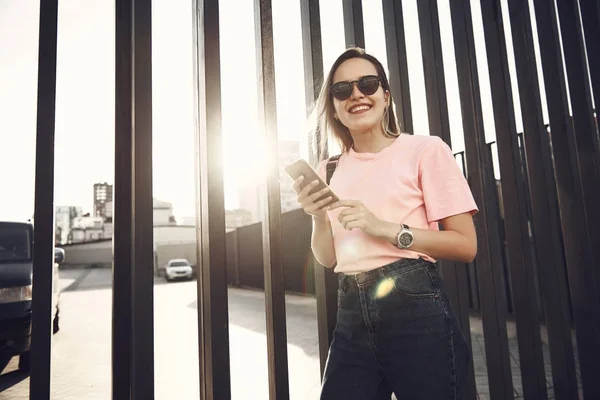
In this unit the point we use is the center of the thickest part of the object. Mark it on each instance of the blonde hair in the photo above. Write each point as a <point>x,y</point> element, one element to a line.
<point>324,113</point>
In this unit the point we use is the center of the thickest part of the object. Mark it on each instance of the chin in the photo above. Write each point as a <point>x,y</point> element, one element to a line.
<point>362,127</point>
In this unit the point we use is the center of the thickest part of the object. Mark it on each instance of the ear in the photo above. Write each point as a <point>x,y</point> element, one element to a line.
<point>335,116</point>
<point>387,97</point>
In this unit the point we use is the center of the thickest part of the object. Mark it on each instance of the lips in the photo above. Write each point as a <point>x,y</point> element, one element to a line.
<point>358,108</point>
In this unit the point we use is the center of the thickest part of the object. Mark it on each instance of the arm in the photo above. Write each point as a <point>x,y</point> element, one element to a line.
<point>458,240</point>
<point>321,242</point>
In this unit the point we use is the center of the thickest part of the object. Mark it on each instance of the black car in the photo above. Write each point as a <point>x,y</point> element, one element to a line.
<point>16,267</point>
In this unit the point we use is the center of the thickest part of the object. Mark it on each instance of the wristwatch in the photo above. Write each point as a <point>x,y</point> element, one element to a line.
<point>405,237</point>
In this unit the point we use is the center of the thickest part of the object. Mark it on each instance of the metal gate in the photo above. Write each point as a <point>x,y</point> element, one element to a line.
<point>550,189</point>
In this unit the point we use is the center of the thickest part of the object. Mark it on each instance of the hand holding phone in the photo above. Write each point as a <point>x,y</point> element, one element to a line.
<point>312,198</point>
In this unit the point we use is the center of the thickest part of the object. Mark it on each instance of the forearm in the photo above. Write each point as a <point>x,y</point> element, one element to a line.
<point>322,242</point>
<point>448,244</point>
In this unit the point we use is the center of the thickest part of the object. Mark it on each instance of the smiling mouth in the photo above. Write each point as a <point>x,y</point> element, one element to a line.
<point>359,109</point>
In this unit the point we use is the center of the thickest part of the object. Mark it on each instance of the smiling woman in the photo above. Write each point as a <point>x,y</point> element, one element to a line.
<point>383,239</point>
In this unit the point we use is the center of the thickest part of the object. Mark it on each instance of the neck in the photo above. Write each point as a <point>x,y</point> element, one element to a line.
<point>372,141</point>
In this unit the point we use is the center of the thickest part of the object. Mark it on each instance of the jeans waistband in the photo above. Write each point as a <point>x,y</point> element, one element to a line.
<point>376,274</point>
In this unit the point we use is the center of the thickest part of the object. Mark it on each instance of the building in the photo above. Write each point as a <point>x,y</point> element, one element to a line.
<point>103,193</point>
<point>163,213</point>
<point>108,219</point>
<point>87,229</point>
<point>63,220</point>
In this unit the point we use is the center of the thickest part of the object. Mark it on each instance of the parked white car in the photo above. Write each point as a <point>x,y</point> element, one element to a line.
<point>178,268</point>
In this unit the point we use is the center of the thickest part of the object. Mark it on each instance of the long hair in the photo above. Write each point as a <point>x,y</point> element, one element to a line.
<point>327,126</point>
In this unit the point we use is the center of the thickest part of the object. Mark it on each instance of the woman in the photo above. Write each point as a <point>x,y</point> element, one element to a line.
<point>395,331</point>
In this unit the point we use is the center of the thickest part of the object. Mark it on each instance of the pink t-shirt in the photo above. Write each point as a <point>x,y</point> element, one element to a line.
<point>414,181</point>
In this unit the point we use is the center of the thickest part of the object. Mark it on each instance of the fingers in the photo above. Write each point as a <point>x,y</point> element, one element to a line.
<point>297,183</point>
<point>345,219</point>
<point>346,203</point>
<point>304,196</point>
<point>307,189</point>
<point>318,206</point>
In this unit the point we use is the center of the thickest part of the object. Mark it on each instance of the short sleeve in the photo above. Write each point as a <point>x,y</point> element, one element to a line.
<point>445,189</point>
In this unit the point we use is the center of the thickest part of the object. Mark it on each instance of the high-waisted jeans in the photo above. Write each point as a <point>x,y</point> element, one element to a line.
<point>395,332</point>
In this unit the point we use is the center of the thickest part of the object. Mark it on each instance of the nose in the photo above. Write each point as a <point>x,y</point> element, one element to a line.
<point>356,93</point>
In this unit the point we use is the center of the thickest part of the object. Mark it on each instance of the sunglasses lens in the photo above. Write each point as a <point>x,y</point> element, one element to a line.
<point>368,85</point>
<point>341,90</point>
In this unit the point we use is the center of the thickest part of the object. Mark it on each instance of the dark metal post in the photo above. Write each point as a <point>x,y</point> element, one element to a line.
<point>236,257</point>
<point>397,61</point>
<point>545,218</point>
<point>312,51</point>
<point>515,205</point>
<point>573,178</point>
<point>213,314</point>
<point>590,18</point>
<point>480,173</point>
<point>353,23</point>
<point>325,279</point>
<point>123,201</point>
<point>586,132</point>
<point>142,345</point>
<point>272,246</point>
<point>43,236</point>
<point>454,273</point>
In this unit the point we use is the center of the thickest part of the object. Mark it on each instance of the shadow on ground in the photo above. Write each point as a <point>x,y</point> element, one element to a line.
<point>10,379</point>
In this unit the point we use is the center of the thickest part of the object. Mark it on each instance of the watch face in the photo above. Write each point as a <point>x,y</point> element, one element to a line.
<point>405,239</point>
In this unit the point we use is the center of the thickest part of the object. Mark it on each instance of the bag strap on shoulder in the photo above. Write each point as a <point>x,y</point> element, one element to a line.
<point>331,166</point>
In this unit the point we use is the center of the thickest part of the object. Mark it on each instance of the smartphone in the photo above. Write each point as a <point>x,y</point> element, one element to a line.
<point>302,168</point>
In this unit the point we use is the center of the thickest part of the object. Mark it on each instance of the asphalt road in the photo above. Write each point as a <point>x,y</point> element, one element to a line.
<point>81,350</point>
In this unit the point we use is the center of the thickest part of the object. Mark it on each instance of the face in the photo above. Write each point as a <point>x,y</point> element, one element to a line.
<point>359,112</point>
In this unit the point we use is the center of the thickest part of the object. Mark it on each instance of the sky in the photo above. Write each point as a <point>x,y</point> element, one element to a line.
<point>84,145</point>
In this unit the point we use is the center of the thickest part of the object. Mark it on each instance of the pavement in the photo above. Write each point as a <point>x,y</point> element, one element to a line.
<point>81,350</point>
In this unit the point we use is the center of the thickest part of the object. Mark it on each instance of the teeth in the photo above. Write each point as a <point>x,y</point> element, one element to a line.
<point>359,108</point>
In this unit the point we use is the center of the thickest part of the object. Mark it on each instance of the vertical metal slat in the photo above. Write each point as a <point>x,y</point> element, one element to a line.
<point>590,19</point>
<point>586,132</point>
<point>515,206</point>
<point>213,313</point>
<point>43,236</point>
<point>480,172</point>
<point>353,23</point>
<point>123,201</point>
<point>545,219</point>
<point>454,273</point>
<point>397,61</point>
<point>569,186</point>
<point>325,279</point>
<point>584,297</point>
<point>272,246</point>
<point>142,382</point>
<point>312,53</point>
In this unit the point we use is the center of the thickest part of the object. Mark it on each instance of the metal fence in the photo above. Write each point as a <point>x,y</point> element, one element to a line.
<point>556,198</point>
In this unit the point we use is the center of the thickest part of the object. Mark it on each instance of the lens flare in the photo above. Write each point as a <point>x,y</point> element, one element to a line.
<point>384,288</point>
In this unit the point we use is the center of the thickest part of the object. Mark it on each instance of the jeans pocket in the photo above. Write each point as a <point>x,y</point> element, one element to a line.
<point>415,282</point>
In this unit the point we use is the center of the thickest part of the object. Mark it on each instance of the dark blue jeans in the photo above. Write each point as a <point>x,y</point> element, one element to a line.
<point>395,332</point>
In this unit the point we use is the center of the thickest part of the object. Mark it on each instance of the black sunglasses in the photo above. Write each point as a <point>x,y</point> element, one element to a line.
<point>367,85</point>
